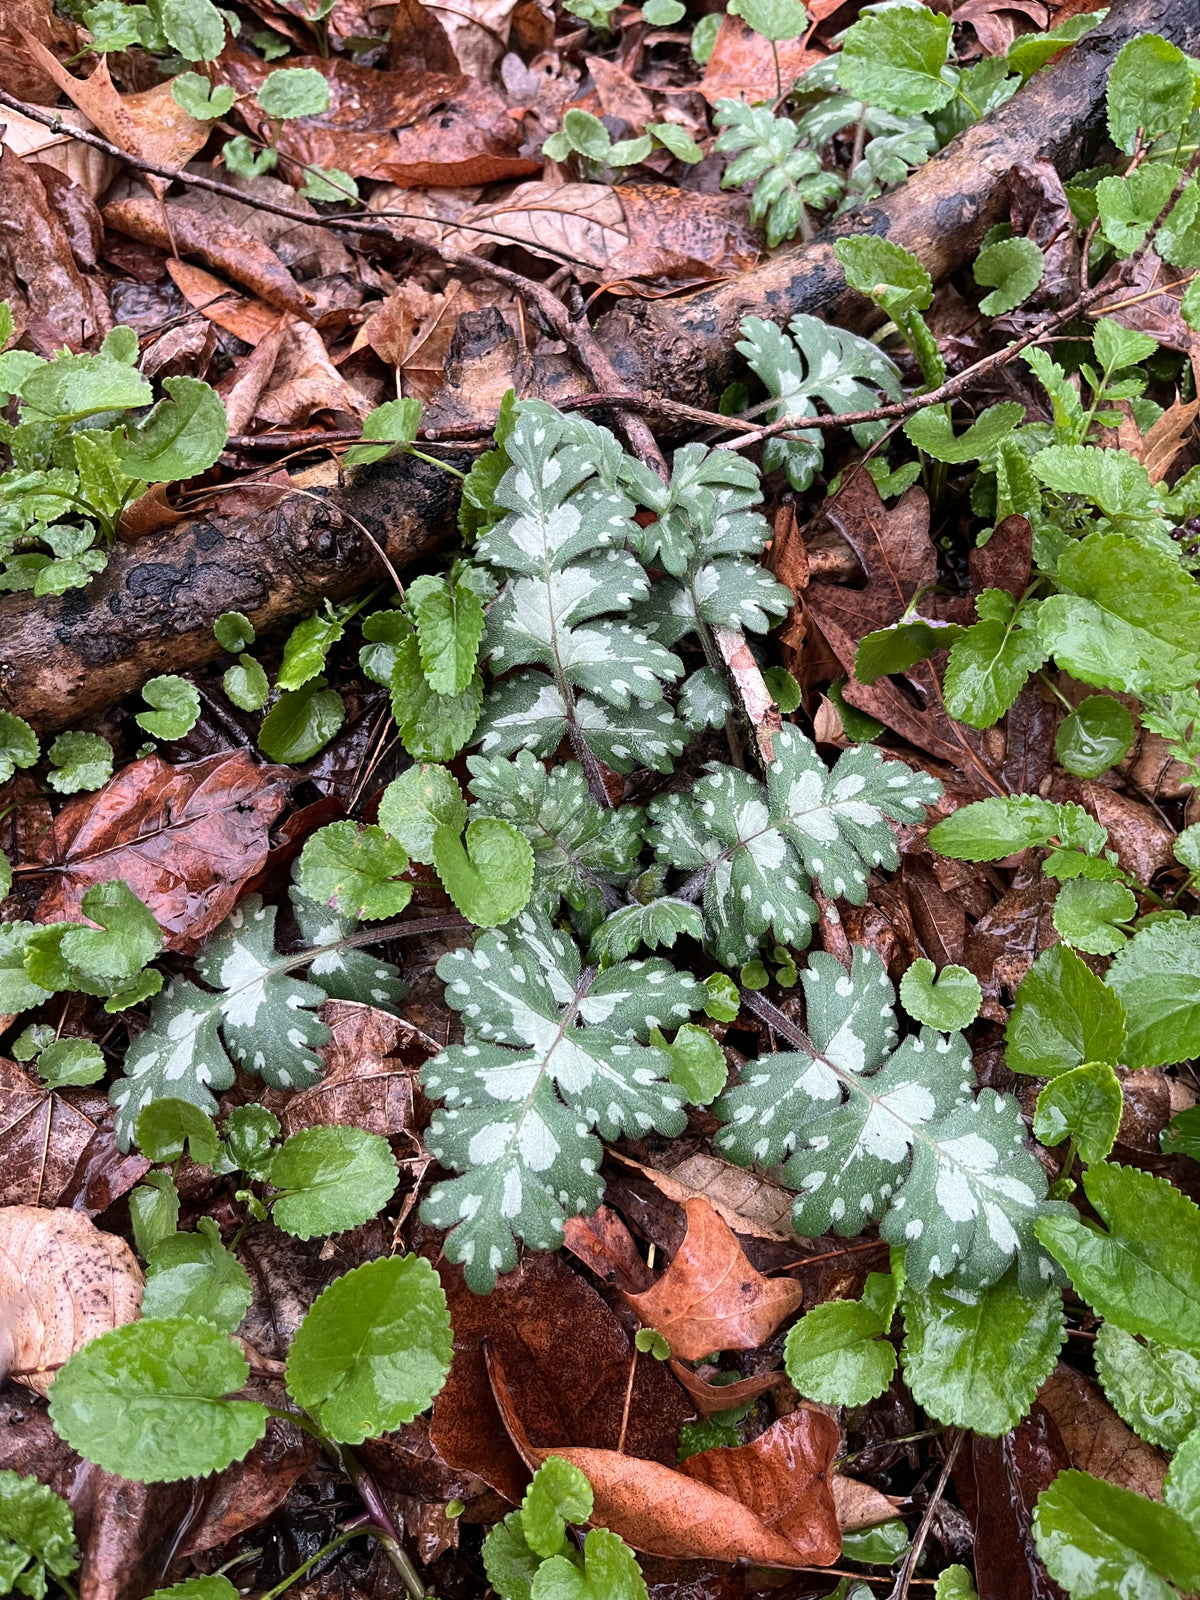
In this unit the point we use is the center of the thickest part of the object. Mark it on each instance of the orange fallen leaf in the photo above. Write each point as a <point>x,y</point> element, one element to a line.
<point>62,1282</point>
<point>742,64</point>
<point>662,1511</point>
<point>710,1297</point>
<point>709,1397</point>
<point>249,319</point>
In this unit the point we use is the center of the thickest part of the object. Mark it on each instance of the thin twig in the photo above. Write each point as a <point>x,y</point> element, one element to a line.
<point>905,1576</point>
<point>628,1398</point>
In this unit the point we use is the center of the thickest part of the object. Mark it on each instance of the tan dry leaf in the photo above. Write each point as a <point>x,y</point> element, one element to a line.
<point>711,1397</point>
<point>471,139</point>
<point>477,30</point>
<point>239,255</point>
<point>149,124</point>
<point>50,298</point>
<point>92,169</point>
<point>1157,448</point>
<point>249,319</point>
<point>679,238</point>
<point>710,1297</point>
<point>62,1282</point>
<point>860,1506</point>
<point>579,224</point>
<point>42,1137</point>
<point>418,40</point>
<point>305,381</point>
<point>412,331</point>
<point>742,66</point>
<point>244,385</point>
<point>748,1203</point>
<point>619,95</point>
<point>425,213</point>
<point>18,74</point>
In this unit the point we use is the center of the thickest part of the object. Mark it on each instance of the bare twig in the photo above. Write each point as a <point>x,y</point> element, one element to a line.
<point>905,1576</point>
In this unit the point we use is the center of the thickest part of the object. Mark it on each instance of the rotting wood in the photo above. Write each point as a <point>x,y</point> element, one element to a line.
<point>277,557</point>
<point>684,348</point>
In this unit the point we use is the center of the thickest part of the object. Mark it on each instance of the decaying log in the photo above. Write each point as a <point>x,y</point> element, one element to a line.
<point>684,348</point>
<point>261,550</point>
<point>275,556</point>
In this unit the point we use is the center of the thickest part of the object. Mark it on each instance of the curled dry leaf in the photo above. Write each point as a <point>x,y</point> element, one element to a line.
<point>713,1397</point>
<point>185,840</point>
<point>605,1244</point>
<point>230,250</point>
<point>150,124</point>
<point>18,74</point>
<point>412,329</point>
<point>367,1083</point>
<point>471,139</point>
<point>249,319</point>
<point>477,30</point>
<point>710,1297</point>
<point>861,1506</point>
<point>303,380</point>
<point>62,1282</point>
<point>1095,1438</point>
<point>662,1511</point>
<point>51,299</point>
<point>748,1203</point>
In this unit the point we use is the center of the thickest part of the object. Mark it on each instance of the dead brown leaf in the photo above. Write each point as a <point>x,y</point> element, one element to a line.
<point>1143,840</point>
<point>477,30</point>
<point>243,386</point>
<point>92,169</point>
<point>150,124</point>
<point>42,1137</point>
<point>412,331</point>
<point>471,139</point>
<point>249,319</point>
<point>620,95</point>
<point>710,1397</point>
<point>367,1082</point>
<point>185,839</point>
<point>246,1493</point>
<point>1157,448</point>
<point>50,298</point>
<point>567,1358</point>
<point>62,1282</point>
<point>20,75</point>
<point>1025,1462</point>
<point>994,21</point>
<point>1096,1439</point>
<point>222,246</point>
<point>667,1512</point>
<point>605,1244</point>
<point>784,1476</point>
<point>418,41</point>
<point>1004,562</point>
<point>304,380</point>
<point>742,65</point>
<point>748,1203</point>
<point>710,1297</point>
<point>861,1506</point>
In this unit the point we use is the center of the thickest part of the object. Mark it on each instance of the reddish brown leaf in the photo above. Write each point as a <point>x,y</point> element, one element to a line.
<point>742,64</point>
<point>1006,1477</point>
<point>50,298</point>
<point>417,41</point>
<point>18,73</point>
<point>184,839</point>
<point>1142,839</point>
<point>893,548</point>
<point>250,319</point>
<point>567,1358</point>
<point>668,1512</point>
<point>1004,562</point>
<point>605,1244</point>
<point>784,1476</point>
<point>710,1397</point>
<point>861,1506</point>
<point>1096,1439</point>
<point>249,1491</point>
<point>471,139</point>
<point>710,1297</point>
<point>227,249</point>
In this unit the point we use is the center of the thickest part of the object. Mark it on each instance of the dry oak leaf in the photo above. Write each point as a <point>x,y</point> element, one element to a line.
<point>232,251</point>
<point>185,840</point>
<point>92,169</point>
<point>663,1511</point>
<point>304,380</point>
<point>250,319</point>
<point>471,139</point>
<point>150,124</point>
<point>62,1282</point>
<point>710,1297</point>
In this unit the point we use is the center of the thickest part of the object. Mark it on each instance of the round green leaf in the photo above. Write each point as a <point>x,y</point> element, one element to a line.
<point>294,92</point>
<point>234,632</point>
<point>19,745</point>
<point>245,684</point>
<point>213,1587</point>
<point>663,13</point>
<point>1096,735</point>
<point>558,1493</point>
<point>354,870</point>
<point>193,1275</point>
<point>195,28</point>
<point>698,1063</point>
<point>301,722</point>
<point>1012,269</point>
<point>71,1063</point>
<point>723,1002</point>
<point>200,99</point>
<point>880,1546</point>
<point>127,938</point>
<point>176,705</point>
<point>83,761</point>
<point>1087,910</point>
<point>948,1000</point>
<point>1083,1104</point>
<point>836,1354</point>
<point>147,1401</point>
<point>374,1349</point>
<point>885,272</point>
<point>1187,848</point>
<point>779,20</point>
<point>1156,1389</point>
<point>586,134</point>
<point>330,184</point>
<point>181,437</point>
<point>1098,1540</point>
<point>976,1359</point>
<point>704,37</point>
<point>165,1126</point>
<point>331,1179</point>
<point>1150,89</point>
<point>784,689</point>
